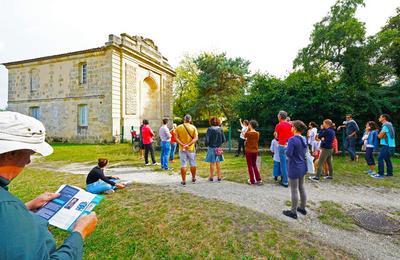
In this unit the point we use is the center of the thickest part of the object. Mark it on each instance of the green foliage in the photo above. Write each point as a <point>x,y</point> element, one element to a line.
<point>222,81</point>
<point>339,72</point>
<point>210,84</point>
<point>186,88</point>
<point>331,38</point>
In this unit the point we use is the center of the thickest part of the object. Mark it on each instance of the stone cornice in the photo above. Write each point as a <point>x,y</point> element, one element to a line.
<point>56,99</point>
<point>51,57</point>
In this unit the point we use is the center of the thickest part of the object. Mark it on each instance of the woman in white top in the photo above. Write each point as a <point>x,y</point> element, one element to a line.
<point>311,134</point>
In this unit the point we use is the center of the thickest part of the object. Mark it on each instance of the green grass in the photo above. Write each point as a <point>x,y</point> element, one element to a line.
<point>333,214</point>
<point>234,168</point>
<point>150,222</point>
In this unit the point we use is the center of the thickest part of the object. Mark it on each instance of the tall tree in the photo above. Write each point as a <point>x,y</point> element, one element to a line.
<point>221,82</point>
<point>186,87</point>
<point>331,39</point>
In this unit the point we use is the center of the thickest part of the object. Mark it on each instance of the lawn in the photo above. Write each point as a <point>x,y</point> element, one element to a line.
<point>150,222</point>
<point>234,168</point>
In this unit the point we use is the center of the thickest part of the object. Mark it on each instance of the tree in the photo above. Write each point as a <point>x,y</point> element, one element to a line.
<point>331,39</point>
<point>186,87</point>
<point>222,81</point>
<point>384,52</point>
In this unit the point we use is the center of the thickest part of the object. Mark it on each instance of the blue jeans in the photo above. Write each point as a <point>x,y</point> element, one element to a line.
<point>165,150</point>
<point>282,157</point>
<point>100,186</point>
<point>277,169</point>
<point>384,156</point>
<point>350,146</point>
<point>172,153</point>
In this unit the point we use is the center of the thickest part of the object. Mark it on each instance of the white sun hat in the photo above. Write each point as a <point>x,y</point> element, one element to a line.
<point>18,131</point>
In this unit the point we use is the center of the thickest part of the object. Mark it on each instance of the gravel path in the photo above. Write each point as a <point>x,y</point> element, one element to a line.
<point>270,199</point>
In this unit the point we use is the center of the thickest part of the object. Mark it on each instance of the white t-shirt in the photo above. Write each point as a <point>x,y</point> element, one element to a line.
<point>244,130</point>
<point>312,133</point>
<point>316,146</point>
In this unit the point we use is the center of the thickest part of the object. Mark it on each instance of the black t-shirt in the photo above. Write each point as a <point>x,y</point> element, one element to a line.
<point>328,136</point>
<point>97,174</point>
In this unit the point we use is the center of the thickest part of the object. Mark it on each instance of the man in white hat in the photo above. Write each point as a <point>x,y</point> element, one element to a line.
<point>25,235</point>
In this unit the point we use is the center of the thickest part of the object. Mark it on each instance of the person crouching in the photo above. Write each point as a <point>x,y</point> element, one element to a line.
<point>97,182</point>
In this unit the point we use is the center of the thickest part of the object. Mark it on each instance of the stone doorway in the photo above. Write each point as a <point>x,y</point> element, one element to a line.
<point>150,108</point>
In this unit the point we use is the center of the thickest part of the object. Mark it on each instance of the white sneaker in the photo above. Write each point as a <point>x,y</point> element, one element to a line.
<point>147,164</point>
<point>109,192</point>
<point>156,163</point>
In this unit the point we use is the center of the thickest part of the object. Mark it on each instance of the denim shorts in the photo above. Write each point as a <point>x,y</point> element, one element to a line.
<point>186,156</point>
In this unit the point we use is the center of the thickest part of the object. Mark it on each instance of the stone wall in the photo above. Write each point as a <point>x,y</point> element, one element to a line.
<point>59,93</point>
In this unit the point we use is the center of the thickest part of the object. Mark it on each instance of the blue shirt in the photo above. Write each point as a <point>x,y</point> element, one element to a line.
<point>327,136</point>
<point>296,157</point>
<point>390,139</point>
<point>26,236</point>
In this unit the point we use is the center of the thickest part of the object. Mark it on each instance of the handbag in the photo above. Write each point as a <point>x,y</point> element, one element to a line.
<point>218,151</point>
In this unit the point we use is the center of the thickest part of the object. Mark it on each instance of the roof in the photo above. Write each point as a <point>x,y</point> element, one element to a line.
<point>55,56</point>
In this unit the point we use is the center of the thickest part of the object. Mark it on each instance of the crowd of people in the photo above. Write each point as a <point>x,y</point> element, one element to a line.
<point>294,146</point>
<point>297,150</point>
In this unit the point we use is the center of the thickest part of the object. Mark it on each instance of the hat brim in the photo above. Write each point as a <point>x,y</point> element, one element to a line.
<point>43,148</point>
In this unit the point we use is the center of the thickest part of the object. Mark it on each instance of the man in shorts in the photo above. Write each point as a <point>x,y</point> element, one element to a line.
<point>186,137</point>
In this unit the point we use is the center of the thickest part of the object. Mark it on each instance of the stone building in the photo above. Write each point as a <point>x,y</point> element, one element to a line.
<point>94,95</point>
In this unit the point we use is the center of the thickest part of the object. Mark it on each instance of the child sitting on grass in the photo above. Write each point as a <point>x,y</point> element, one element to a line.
<point>297,168</point>
<point>277,161</point>
<point>97,182</point>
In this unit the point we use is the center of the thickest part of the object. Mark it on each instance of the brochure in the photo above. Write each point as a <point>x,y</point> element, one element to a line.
<point>72,203</point>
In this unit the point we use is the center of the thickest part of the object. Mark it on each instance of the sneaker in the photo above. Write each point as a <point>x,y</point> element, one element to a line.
<point>328,177</point>
<point>210,179</point>
<point>289,214</point>
<point>389,175</point>
<point>372,173</point>
<point>109,192</point>
<point>249,182</point>
<point>302,211</point>
<point>156,163</point>
<point>275,178</point>
<point>193,180</point>
<point>259,183</point>
<point>377,176</point>
<point>219,179</point>
<point>183,183</point>
<point>283,184</point>
<point>147,164</point>
<point>313,178</point>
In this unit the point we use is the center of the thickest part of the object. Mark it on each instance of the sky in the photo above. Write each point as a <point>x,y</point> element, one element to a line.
<point>269,33</point>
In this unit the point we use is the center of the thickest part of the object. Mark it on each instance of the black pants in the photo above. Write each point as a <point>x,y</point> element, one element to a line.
<point>149,148</point>
<point>240,146</point>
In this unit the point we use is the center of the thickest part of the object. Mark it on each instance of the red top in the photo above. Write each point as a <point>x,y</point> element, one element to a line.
<point>335,145</point>
<point>147,134</point>
<point>173,137</point>
<point>284,131</point>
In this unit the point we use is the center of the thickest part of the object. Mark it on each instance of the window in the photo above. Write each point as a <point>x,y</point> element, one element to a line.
<point>33,80</point>
<point>83,73</point>
<point>83,115</point>
<point>35,112</point>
